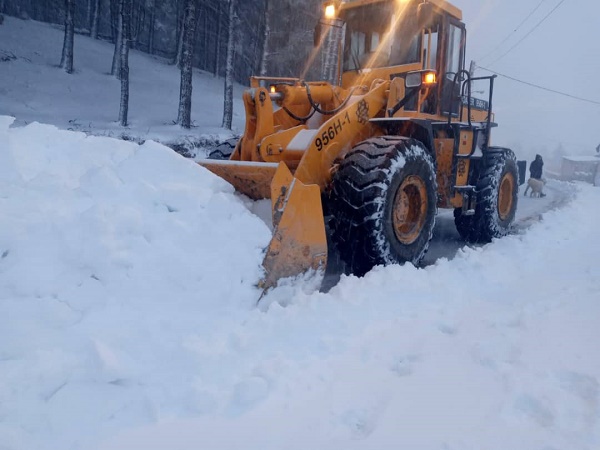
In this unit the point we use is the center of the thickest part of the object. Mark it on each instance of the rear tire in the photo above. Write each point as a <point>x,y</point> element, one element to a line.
<point>497,195</point>
<point>223,150</point>
<point>383,203</point>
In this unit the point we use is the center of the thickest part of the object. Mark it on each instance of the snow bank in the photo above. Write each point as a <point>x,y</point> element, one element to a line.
<point>494,350</point>
<point>111,254</point>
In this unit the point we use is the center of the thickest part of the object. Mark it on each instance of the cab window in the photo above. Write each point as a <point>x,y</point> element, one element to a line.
<point>454,59</point>
<point>375,37</point>
<point>430,45</point>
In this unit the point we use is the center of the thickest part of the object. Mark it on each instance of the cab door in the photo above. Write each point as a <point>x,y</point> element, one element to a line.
<point>453,62</point>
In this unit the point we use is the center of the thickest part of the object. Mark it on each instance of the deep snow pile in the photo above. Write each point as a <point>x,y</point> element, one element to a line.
<point>127,321</point>
<point>112,256</point>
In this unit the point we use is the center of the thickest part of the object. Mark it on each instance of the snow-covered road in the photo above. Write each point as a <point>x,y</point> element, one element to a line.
<point>127,320</point>
<point>447,242</point>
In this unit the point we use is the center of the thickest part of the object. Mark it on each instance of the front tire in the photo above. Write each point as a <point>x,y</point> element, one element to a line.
<point>384,203</point>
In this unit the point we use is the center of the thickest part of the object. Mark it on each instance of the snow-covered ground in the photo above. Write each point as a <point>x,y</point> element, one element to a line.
<point>128,320</point>
<point>33,88</point>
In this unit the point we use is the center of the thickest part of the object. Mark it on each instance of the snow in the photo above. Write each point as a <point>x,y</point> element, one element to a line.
<point>128,320</point>
<point>302,140</point>
<point>106,270</point>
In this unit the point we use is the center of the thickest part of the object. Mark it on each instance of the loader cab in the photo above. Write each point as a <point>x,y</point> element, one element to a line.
<point>448,34</point>
<point>388,38</point>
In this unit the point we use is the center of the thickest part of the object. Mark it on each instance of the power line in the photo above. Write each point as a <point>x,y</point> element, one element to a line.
<point>514,31</point>
<point>530,31</point>
<point>541,87</point>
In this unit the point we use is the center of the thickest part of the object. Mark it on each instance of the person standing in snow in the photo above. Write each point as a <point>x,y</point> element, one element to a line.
<point>536,169</point>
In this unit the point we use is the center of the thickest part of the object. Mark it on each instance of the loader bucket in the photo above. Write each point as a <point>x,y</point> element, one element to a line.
<point>299,242</point>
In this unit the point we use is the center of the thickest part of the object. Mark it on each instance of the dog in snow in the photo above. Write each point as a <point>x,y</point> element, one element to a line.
<point>536,186</point>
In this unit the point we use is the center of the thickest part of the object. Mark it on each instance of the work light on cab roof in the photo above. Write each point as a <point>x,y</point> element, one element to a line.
<point>330,11</point>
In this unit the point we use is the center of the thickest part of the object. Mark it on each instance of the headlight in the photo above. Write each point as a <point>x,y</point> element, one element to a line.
<point>429,78</point>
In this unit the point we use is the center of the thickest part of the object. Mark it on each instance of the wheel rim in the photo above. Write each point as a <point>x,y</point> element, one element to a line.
<point>410,209</point>
<point>505,196</point>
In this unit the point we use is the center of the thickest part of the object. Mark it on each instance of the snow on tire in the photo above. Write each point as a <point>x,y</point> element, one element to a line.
<point>383,203</point>
<point>223,150</point>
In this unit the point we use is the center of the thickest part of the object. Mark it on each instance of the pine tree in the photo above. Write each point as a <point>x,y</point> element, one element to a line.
<point>185,90</point>
<point>228,94</point>
<point>66,61</point>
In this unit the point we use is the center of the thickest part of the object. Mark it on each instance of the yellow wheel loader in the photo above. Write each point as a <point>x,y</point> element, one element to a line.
<point>378,150</point>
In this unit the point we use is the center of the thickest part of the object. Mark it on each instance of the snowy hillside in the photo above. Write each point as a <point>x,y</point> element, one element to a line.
<point>128,321</point>
<point>33,88</point>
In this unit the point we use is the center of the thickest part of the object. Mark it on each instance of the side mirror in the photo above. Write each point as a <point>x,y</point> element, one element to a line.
<point>420,78</point>
<point>425,14</point>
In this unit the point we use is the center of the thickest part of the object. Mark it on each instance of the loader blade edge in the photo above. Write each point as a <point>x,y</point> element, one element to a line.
<point>299,241</point>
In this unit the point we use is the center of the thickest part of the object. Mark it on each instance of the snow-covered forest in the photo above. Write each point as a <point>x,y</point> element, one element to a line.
<point>230,40</point>
<point>266,39</point>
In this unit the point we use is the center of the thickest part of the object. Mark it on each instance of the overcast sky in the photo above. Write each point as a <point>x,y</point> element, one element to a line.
<point>563,53</point>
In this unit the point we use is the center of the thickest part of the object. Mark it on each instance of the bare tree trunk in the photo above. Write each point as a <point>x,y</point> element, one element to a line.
<point>115,14</point>
<point>151,30</point>
<point>66,61</point>
<point>265,52</point>
<point>180,31</point>
<point>126,9</point>
<point>185,91</point>
<point>218,45</point>
<point>205,39</point>
<point>179,54</point>
<point>228,94</point>
<point>95,17</point>
<point>89,15</point>
<point>116,62</point>
<point>140,18</point>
